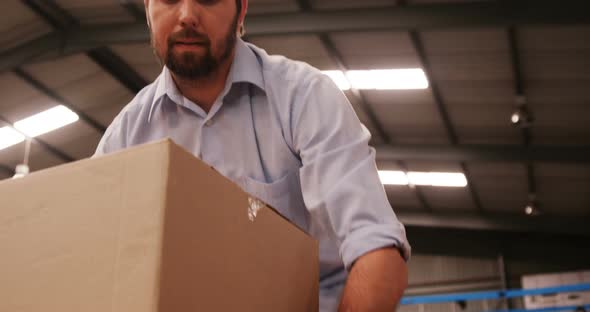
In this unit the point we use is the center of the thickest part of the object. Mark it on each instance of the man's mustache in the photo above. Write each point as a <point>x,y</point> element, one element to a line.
<point>188,34</point>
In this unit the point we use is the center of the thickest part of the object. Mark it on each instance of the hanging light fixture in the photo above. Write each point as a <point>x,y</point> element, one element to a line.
<point>522,117</point>
<point>532,207</point>
<point>23,169</point>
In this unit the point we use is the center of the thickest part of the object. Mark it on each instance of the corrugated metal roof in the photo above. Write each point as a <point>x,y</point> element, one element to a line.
<point>20,26</point>
<point>96,11</point>
<point>472,68</point>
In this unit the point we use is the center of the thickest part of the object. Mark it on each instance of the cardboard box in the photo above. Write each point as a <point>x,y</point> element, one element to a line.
<point>563,299</point>
<point>147,229</point>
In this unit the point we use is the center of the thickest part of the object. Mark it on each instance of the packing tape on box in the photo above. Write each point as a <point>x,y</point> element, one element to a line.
<point>253,206</point>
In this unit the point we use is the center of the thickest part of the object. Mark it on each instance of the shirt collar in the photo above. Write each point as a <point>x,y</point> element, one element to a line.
<point>246,68</point>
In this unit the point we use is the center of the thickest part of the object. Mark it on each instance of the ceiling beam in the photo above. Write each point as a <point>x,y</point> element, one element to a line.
<point>422,17</point>
<point>418,45</point>
<point>62,20</point>
<point>486,153</point>
<point>509,223</point>
<point>133,10</point>
<point>514,246</point>
<point>118,68</point>
<point>51,13</point>
<point>114,64</point>
<point>54,96</point>
<point>334,54</point>
<point>304,5</point>
<point>368,110</point>
<point>443,112</point>
<point>520,100</point>
<point>56,17</point>
<point>417,17</point>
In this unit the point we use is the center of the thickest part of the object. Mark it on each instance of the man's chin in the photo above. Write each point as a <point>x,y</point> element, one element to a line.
<point>189,62</point>
<point>191,70</point>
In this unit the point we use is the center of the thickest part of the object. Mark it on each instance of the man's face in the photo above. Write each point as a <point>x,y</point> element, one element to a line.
<point>193,37</point>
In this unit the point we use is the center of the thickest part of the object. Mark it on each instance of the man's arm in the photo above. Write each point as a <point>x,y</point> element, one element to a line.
<point>345,197</point>
<point>376,282</point>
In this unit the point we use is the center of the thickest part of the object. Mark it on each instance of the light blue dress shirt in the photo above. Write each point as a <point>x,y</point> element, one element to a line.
<point>286,134</point>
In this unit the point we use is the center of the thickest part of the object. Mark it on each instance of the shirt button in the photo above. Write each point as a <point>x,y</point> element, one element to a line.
<point>209,122</point>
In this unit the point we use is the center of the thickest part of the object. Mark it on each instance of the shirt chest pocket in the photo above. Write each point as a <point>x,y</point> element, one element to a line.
<point>283,194</point>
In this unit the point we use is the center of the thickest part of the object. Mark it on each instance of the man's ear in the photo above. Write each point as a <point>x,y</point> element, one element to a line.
<point>147,12</point>
<point>243,13</point>
<point>242,17</point>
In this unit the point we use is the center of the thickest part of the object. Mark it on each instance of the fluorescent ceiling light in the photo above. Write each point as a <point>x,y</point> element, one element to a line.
<point>47,121</point>
<point>10,137</point>
<point>446,179</point>
<point>339,79</point>
<point>38,124</point>
<point>380,79</point>
<point>393,178</point>
<point>438,179</point>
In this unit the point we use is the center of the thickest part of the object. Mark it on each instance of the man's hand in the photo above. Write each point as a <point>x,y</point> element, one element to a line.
<point>376,282</point>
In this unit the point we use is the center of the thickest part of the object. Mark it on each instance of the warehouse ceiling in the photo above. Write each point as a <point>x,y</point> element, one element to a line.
<point>483,60</point>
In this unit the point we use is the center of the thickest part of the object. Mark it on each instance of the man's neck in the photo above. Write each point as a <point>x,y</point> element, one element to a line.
<point>205,91</point>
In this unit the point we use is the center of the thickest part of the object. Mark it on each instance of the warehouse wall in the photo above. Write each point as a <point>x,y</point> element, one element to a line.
<point>438,274</point>
<point>431,274</point>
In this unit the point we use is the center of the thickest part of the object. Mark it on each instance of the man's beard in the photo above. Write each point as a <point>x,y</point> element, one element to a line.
<point>189,65</point>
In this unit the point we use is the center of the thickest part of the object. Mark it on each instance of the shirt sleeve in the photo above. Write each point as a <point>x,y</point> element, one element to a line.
<point>339,178</point>
<point>113,139</point>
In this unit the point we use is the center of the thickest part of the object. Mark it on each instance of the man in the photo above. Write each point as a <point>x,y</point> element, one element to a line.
<point>281,130</point>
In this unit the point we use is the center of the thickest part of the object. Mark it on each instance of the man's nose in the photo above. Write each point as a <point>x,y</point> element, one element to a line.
<point>189,14</point>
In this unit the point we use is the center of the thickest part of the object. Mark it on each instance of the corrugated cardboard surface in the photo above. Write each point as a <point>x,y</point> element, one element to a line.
<point>147,229</point>
<point>268,261</point>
